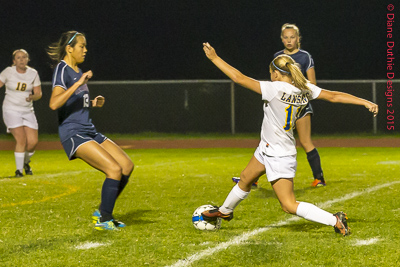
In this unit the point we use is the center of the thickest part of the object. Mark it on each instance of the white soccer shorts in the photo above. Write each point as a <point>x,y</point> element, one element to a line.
<point>13,119</point>
<point>277,167</point>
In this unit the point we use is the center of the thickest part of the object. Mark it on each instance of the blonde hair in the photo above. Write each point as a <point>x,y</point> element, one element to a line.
<point>287,66</point>
<point>19,50</point>
<point>56,51</point>
<point>293,27</point>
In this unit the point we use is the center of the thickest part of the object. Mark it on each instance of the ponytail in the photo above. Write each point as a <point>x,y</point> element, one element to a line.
<point>287,66</point>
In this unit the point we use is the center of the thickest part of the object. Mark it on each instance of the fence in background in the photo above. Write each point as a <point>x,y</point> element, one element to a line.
<point>184,106</point>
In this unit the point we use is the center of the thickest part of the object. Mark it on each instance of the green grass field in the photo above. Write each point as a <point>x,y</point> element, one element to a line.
<point>46,218</point>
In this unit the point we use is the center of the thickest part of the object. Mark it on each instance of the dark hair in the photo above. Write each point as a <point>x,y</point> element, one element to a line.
<point>56,51</point>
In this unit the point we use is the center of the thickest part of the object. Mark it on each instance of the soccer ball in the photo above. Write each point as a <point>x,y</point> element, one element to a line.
<point>201,224</point>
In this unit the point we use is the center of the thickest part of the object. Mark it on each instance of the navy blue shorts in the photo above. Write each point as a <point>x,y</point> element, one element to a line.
<point>71,144</point>
<point>306,110</point>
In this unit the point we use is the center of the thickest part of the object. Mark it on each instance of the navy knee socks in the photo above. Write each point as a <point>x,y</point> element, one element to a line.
<point>315,164</point>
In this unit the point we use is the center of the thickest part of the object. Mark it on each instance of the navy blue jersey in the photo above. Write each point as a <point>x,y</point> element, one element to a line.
<point>302,57</point>
<point>73,116</point>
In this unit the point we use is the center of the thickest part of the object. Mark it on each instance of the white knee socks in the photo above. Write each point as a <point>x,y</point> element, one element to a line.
<point>233,199</point>
<point>313,213</point>
<point>19,160</point>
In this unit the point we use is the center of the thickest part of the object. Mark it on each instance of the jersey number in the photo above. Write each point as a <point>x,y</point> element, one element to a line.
<point>21,87</point>
<point>85,100</point>
<point>289,119</point>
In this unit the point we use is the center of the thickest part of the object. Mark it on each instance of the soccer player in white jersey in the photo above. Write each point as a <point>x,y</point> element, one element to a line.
<point>275,156</point>
<point>22,88</point>
<point>290,36</point>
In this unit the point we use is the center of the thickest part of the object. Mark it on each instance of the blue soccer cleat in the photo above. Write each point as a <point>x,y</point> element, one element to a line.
<point>237,179</point>
<point>96,216</point>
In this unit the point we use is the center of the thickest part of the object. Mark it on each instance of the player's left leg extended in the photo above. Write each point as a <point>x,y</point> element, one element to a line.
<point>284,191</point>
<point>303,126</point>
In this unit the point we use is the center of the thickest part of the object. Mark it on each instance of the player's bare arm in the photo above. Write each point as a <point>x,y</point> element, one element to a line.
<point>311,75</point>
<point>340,97</point>
<point>59,96</point>
<point>37,94</point>
<point>234,74</point>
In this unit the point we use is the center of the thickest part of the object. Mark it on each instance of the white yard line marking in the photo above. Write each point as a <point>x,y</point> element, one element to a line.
<point>245,236</point>
<point>366,242</point>
<point>89,245</point>
<point>390,162</point>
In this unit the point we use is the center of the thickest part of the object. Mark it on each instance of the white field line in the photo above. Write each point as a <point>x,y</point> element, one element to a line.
<point>366,242</point>
<point>390,162</point>
<point>245,236</point>
<point>89,245</point>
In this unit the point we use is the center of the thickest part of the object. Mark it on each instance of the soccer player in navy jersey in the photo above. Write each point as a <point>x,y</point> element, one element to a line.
<point>78,135</point>
<point>290,35</point>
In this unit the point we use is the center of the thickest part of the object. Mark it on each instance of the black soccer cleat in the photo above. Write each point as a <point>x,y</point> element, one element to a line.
<point>18,174</point>
<point>341,226</point>
<point>28,169</point>
<point>214,214</point>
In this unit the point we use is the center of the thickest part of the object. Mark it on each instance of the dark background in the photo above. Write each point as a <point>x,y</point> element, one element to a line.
<point>162,40</point>
<point>147,39</point>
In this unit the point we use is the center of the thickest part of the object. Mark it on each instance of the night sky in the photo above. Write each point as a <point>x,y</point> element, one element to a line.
<point>154,40</point>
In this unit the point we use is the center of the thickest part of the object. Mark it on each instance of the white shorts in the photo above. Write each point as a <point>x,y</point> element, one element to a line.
<point>277,167</point>
<point>13,119</point>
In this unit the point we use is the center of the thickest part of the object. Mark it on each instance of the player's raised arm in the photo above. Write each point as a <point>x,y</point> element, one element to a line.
<point>340,97</point>
<point>234,74</point>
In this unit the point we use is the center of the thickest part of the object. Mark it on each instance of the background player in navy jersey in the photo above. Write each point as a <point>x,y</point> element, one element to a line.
<point>78,135</point>
<point>22,88</point>
<point>275,156</point>
<point>290,35</point>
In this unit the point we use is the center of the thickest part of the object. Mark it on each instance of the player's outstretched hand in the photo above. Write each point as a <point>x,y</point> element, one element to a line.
<point>210,51</point>
<point>372,107</point>
<point>98,101</point>
<point>85,77</point>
